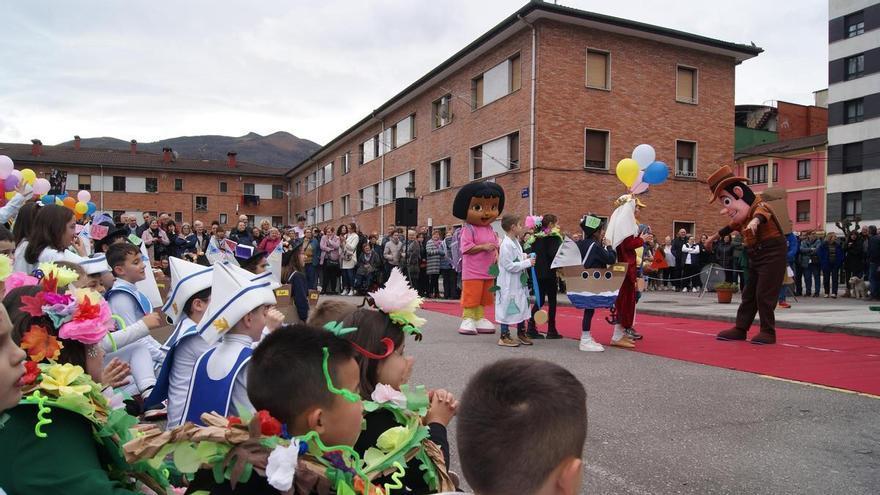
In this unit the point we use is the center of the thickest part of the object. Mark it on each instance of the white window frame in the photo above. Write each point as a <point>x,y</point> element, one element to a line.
<point>483,175</point>
<point>345,204</point>
<point>346,162</point>
<point>327,173</point>
<point>435,111</point>
<point>444,174</point>
<point>696,100</point>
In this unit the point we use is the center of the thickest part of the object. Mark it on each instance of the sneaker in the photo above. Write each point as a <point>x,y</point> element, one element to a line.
<point>694,290</point>
<point>157,413</point>
<point>783,304</point>
<point>833,296</point>
<point>632,334</point>
<point>589,345</point>
<point>485,326</point>
<point>507,341</point>
<point>826,296</point>
<point>524,339</point>
<point>468,327</point>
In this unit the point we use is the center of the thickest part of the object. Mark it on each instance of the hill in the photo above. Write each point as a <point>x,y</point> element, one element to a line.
<point>280,149</point>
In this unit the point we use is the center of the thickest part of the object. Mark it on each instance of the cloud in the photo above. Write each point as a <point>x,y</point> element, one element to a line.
<point>164,68</point>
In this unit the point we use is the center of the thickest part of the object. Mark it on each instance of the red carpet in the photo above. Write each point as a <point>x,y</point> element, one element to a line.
<point>829,359</point>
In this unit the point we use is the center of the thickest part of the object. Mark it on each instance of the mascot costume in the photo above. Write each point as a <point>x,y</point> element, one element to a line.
<point>765,246</point>
<point>478,204</point>
<point>622,234</point>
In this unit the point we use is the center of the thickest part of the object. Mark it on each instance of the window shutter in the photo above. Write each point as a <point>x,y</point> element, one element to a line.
<point>597,70</point>
<point>685,87</point>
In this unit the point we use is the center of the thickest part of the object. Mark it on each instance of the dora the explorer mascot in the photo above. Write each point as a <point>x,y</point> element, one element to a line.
<point>765,246</point>
<point>478,204</point>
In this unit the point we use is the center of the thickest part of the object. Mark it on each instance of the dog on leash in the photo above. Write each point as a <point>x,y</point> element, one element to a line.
<point>859,289</point>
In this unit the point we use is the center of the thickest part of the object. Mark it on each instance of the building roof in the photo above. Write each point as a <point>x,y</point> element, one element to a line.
<point>785,146</point>
<point>118,159</point>
<point>531,12</point>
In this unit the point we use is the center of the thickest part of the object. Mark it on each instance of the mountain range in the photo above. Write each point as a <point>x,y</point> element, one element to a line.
<point>279,149</point>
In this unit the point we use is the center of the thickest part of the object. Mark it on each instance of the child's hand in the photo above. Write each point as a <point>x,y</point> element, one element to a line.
<point>443,407</point>
<point>152,320</point>
<point>116,373</point>
<point>531,261</point>
<point>274,319</point>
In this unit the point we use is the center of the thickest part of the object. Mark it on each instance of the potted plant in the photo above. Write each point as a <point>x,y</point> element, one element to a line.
<point>725,291</point>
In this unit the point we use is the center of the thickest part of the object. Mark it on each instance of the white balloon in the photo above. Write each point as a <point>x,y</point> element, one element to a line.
<point>639,188</point>
<point>41,186</point>
<point>645,155</point>
<point>6,166</point>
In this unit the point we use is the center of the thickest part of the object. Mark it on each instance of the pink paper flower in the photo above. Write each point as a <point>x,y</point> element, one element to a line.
<point>89,330</point>
<point>386,393</point>
<point>19,279</point>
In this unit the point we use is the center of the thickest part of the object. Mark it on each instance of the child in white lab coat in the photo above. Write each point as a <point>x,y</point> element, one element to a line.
<point>512,298</point>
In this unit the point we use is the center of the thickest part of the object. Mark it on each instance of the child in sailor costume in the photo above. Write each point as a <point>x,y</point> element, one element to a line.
<point>236,317</point>
<point>189,299</point>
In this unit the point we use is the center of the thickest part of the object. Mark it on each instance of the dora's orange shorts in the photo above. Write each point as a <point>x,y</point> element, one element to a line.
<point>476,293</point>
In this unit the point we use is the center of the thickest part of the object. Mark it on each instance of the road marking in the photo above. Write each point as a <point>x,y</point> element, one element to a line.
<point>824,387</point>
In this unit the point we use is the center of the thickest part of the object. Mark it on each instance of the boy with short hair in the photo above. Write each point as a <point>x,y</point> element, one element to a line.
<point>330,310</point>
<point>236,316</point>
<point>546,405</point>
<point>99,277</point>
<point>189,299</point>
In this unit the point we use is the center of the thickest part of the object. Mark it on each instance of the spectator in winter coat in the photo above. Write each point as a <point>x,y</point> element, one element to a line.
<point>724,256</point>
<point>434,251</point>
<point>242,234</point>
<point>330,254</point>
<point>677,244</point>
<point>809,263</point>
<point>391,253</point>
<point>155,239</point>
<point>854,259</point>
<point>691,259</point>
<point>874,261</point>
<point>447,271</point>
<point>831,259</point>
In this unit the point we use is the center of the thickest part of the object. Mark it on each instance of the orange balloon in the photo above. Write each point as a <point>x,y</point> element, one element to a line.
<point>77,215</point>
<point>69,202</point>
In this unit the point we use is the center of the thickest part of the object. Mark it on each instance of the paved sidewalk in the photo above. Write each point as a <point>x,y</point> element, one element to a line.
<point>842,315</point>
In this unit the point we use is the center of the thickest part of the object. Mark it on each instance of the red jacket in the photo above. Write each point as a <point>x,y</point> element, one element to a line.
<point>626,253</point>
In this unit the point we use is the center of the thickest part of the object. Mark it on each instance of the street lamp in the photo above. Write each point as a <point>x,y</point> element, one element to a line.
<point>410,190</point>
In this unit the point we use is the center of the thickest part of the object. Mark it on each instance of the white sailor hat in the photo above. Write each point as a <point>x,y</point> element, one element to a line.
<point>187,279</point>
<point>95,264</point>
<point>232,297</point>
<point>265,276</point>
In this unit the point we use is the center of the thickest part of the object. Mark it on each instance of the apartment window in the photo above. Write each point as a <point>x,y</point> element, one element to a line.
<point>686,85</point>
<point>117,214</point>
<point>803,169</point>
<point>852,157</point>
<point>852,205</point>
<point>327,173</point>
<point>377,149</point>
<point>513,150</point>
<point>685,159</point>
<point>368,197</point>
<point>178,217</point>
<point>310,216</point>
<point>346,162</point>
<point>402,132</point>
<point>757,174</point>
<point>855,66</point>
<point>277,191</point>
<point>803,210</point>
<point>345,201</point>
<point>118,184</point>
<point>224,218</point>
<point>202,203</point>
<point>277,221</point>
<point>296,189</point>
<point>598,73</point>
<point>495,157</point>
<point>855,24</point>
<point>85,182</point>
<point>496,82</point>
<point>249,189</point>
<point>441,111</point>
<point>687,226</point>
<point>395,187</point>
<point>151,184</point>
<point>854,110</point>
<point>596,149</point>
<point>223,187</point>
<point>360,153</point>
<point>440,178</point>
<point>775,173</point>
<point>326,212</point>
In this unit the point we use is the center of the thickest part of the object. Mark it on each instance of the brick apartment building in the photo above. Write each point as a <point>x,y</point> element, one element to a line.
<point>134,182</point>
<point>545,104</point>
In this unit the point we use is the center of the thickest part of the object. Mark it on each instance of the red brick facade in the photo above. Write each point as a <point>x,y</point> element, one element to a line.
<point>796,121</point>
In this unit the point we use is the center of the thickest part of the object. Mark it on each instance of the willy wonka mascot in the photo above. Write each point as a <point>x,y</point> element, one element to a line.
<point>765,246</point>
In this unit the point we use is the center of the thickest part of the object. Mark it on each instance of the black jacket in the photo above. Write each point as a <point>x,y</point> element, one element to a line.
<point>874,249</point>
<point>677,244</point>
<point>545,249</point>
<point>600,257</point>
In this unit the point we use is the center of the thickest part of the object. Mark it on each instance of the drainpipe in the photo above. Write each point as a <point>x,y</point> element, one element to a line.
<point>532,117</point>
<point>381,177</point>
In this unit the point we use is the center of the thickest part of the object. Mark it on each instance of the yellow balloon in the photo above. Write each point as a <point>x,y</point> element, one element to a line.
<point>627,171</point>
<point>28,176</point>
<point>81,208</point>
<point>11,194</point>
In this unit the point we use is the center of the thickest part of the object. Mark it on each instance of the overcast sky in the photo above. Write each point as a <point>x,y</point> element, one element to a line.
<point>150,70</point>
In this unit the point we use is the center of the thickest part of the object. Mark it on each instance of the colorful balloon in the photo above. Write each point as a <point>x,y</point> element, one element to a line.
<point>645,155</point>
<point>92,208</point>
<point>11,182</point>
<point>28,176</point>
<point>656,173</point>
<point>84,196</point>
<point>41,186</point>
<point>81,208</point>
<point>11,194</point>
<point>6,166</point>
<point>627,171</point>
<point>69,202</point>
<point>48,199</point>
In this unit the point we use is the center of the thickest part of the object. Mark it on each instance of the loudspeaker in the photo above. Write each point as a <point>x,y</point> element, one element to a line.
<point>406,212</point>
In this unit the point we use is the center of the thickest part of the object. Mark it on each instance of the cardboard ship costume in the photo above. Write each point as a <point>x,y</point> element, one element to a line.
<point>588,288</point>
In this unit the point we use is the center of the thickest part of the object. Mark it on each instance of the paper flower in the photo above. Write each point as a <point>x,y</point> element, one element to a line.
<point>281,466</point>
<point>33,305</point>
<point>60,378</point>
<point>115,400</point>
<point>233,420</point>
<point>91,320</point>
<point>399,301</point>
<point>31,372</point>
<point>19,279</point>
<point>269,426</point>
<point>63,276</point>
<point>392,439</point>
<point>5,267</point>
<point>386,393</point>
<point>40,345</point>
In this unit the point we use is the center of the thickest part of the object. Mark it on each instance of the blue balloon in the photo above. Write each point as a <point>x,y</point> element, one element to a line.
<point>92,208</point>
<point>656,173</point>
<point>48,199</point>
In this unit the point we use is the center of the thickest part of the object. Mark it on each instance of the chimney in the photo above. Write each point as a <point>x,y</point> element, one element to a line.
<point>166,155</point>
<point>230,159</point>
<point>36,147</point>
<point>76,143</point>
<point>134,146</point>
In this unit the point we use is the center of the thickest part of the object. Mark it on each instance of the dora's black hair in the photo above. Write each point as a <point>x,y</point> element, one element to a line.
<point>484,189</point>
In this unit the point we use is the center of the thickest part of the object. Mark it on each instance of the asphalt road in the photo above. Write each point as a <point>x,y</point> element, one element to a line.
<point>657,425</point>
